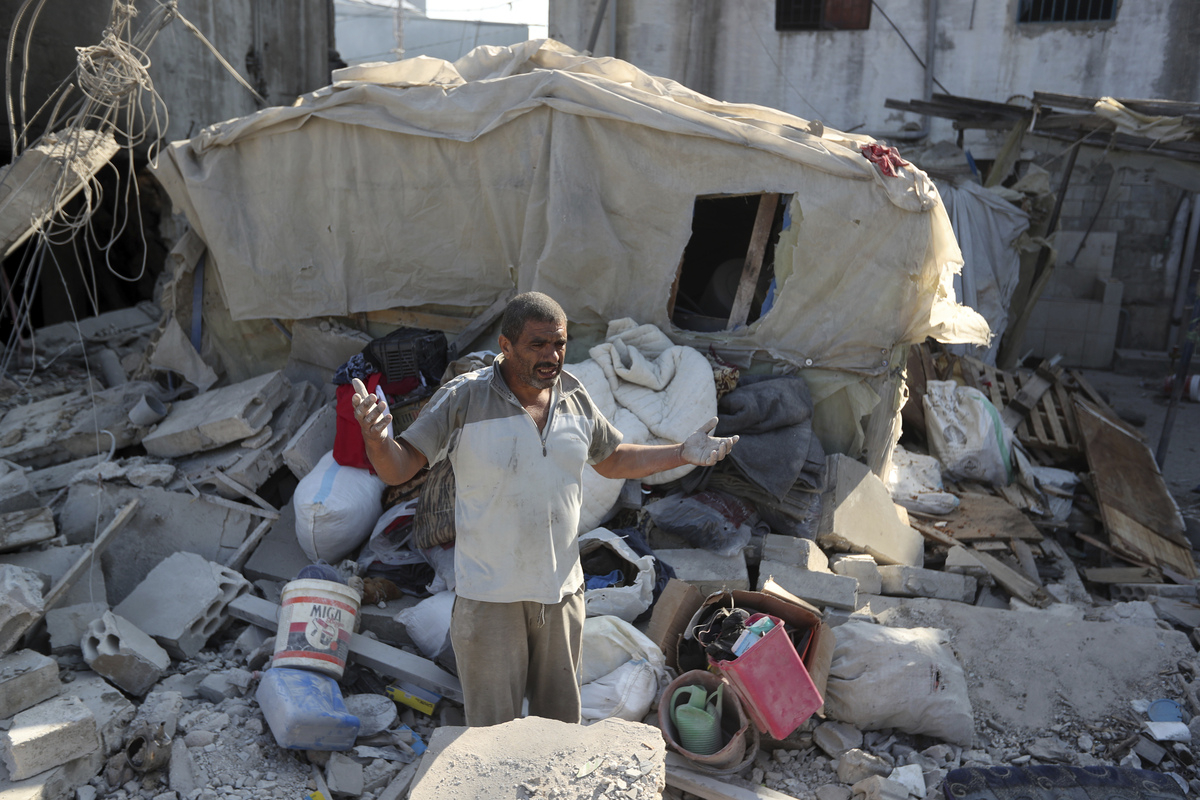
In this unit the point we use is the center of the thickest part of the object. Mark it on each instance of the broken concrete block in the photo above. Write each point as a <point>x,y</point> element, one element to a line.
<point>858,516</point>
<point>219,686</point>
<point>833,791</point>
<point>910,776</point>
<point>916,582</point>
<point>859,566</point>
<point>20,603</point>
<point>835,738</point>
<point>877,787</point>
<point>162,709</point>
<point>67,781</point>
<point>112,710</point>
<point>70,426</point>
<point>68,625</point>
<point>802,553</point>
<point>319,347</point>
<point>123,323</point>
<point>59,476</point>
<point>962,561</point>
<point>855,765</point>
<point>48,735</point>
<point>1151,591</point>
<point>26,679</point>
<point>480,763</point>
<point>382,621</point>
<point>52,564</point>
<point>16,491</point>
<point>22,528</point>
<point>818,588</point>
<point>344,776</point>
<point>116,649</point>
<point>707,571</point>
<point>278,556</point>
<point>313,440</point>
<point>218,417</point>
<point>165,523</point>
<point>251,461</point>
<point>181,774</point>
<point>181,603</point>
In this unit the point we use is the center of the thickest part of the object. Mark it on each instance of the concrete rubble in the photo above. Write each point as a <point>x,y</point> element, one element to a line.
<point>165,632</point>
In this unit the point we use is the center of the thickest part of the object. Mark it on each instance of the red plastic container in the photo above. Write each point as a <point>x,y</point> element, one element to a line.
<point>772,682</point>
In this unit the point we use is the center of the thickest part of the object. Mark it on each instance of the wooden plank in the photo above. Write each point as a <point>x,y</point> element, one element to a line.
<point>1060,438</point>
<point>1025,401</point>
<point>244,551</point>
<point>382,658</point>
<point>1012,581</point>
<point>710,787</point>
<point>477,325</point>
<point>982,516</point>
<point>403,317</point>
<point>932,534</point>
<point>1139,513</point>
<point>763,221</point>
<point>1123,575</point>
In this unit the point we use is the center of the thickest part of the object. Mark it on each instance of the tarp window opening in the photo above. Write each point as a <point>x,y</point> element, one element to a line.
<point>726,276</point>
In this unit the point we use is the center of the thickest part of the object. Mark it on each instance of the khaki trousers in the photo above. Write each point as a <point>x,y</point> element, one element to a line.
<point>509,651</point>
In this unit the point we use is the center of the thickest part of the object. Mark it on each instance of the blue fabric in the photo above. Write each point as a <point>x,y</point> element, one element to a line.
<point>663,571</point>
<point>356,367</point>
<point>602,581</point>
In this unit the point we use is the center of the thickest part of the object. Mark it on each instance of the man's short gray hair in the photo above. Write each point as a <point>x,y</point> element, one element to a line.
<point>529,306</point>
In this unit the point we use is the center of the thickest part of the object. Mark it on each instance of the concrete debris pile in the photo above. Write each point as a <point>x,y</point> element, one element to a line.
<point>148,536</point>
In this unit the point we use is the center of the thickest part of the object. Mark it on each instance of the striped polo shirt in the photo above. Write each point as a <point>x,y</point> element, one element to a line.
<point>519,491</point>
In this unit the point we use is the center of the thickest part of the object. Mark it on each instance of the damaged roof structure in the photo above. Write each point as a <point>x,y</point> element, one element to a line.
<point>693,244</point>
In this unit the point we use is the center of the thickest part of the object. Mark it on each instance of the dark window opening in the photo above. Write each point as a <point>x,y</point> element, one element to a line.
<point>729,262</point>
<point>822,15</point>
<point>1066,10</point>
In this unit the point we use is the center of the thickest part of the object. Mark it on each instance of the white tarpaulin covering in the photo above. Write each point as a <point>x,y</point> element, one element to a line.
<point>422,181</point>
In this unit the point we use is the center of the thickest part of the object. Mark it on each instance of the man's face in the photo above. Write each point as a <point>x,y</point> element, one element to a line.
<point>536,358</point>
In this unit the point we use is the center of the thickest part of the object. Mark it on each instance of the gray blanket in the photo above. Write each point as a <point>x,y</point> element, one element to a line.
<point>773,417</point>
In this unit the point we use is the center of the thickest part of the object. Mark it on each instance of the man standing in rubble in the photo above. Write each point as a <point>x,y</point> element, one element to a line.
<point>518,434</point>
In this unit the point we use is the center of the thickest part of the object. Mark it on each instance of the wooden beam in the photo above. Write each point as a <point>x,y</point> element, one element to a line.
<point>407,318</point>
<point>763,221</point>
<point>713,788</point>
<point>477,325</point>
<point>1012,581</point>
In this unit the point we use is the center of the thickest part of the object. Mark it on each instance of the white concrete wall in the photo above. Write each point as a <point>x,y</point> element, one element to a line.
<point>730,50</point>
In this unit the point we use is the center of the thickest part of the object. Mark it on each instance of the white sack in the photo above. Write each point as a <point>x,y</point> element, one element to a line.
<point>623,671</point>
<point>965,433</point>
<point>626,602</point>
<point>903,678</point>
<point>336,508</point>
<point>653,391</point>
<point>428,623</point>
<point>915,482</point>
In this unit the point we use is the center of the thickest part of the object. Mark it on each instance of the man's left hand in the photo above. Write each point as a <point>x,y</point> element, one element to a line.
<point>704,450</point>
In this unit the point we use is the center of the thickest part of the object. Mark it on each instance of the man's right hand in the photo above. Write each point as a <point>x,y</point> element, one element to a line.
<point>371,413</point>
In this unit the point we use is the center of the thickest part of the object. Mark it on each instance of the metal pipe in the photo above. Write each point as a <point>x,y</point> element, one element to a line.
<point>1186,265</point>
<point>1185,362</point>
<point>1175,254</point>
<point>595,34</point>
<point>931,15</point>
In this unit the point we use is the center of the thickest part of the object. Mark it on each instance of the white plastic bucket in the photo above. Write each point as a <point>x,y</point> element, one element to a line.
<point>316,619</point>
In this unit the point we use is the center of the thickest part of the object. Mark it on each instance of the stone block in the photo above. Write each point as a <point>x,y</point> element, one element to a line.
<point>181,603</point>
<point>835,738</point>
<point>165,523</point>
<point>344,776</point>
<point>52,563</point>
<point>858,516</point>
<point>877,787</point>
<point>218,417</point>
<point>48,735</point>
<point>23,528</point>
<point>278,556</point>
<point>116,649</point>
<point>67,625</point>
<point>818,588</point>
<point>861,567</point>
<point>26,679</point>
<point>962,561</point>
<point>56,783</point>
<point>313,440</point>
<point>802,553</point>
<point>181,773</point>
<point>382,621</point>
<point>856,765</point>
<point>915,582</point>
<point>251,461</point>
<point>707,571</point>
<point>480,763</point>
<point>910,776</point>
<point>20,603</point>
<point>122,323</point>
<point>112,710</point>
<point>51,479</point>
<point>16,491</point>
<point>319,347</point>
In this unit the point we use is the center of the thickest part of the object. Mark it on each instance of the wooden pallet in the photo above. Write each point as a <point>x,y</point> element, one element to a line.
<point>1050,427</point>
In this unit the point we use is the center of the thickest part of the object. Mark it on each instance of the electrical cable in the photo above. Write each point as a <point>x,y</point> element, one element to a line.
<point>904,39</point>
<point>778,66</point>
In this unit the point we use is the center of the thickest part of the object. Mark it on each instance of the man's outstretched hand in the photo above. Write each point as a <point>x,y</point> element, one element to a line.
<point>704,450</point>
<point>372,415</point>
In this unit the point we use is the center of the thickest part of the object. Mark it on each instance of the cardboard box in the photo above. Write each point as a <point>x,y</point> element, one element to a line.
<point>677,604</point>
<point>799,615</point>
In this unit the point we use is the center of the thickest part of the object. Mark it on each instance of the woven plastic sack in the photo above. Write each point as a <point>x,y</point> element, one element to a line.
<point>623,672</point>
<point>433,524</point>
<point>965,433</point>
<point>336,508</point>
<point>626,602</point>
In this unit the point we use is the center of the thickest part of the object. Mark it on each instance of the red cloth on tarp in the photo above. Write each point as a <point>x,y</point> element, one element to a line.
<point>348,447</point>
<point>888,158</point>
